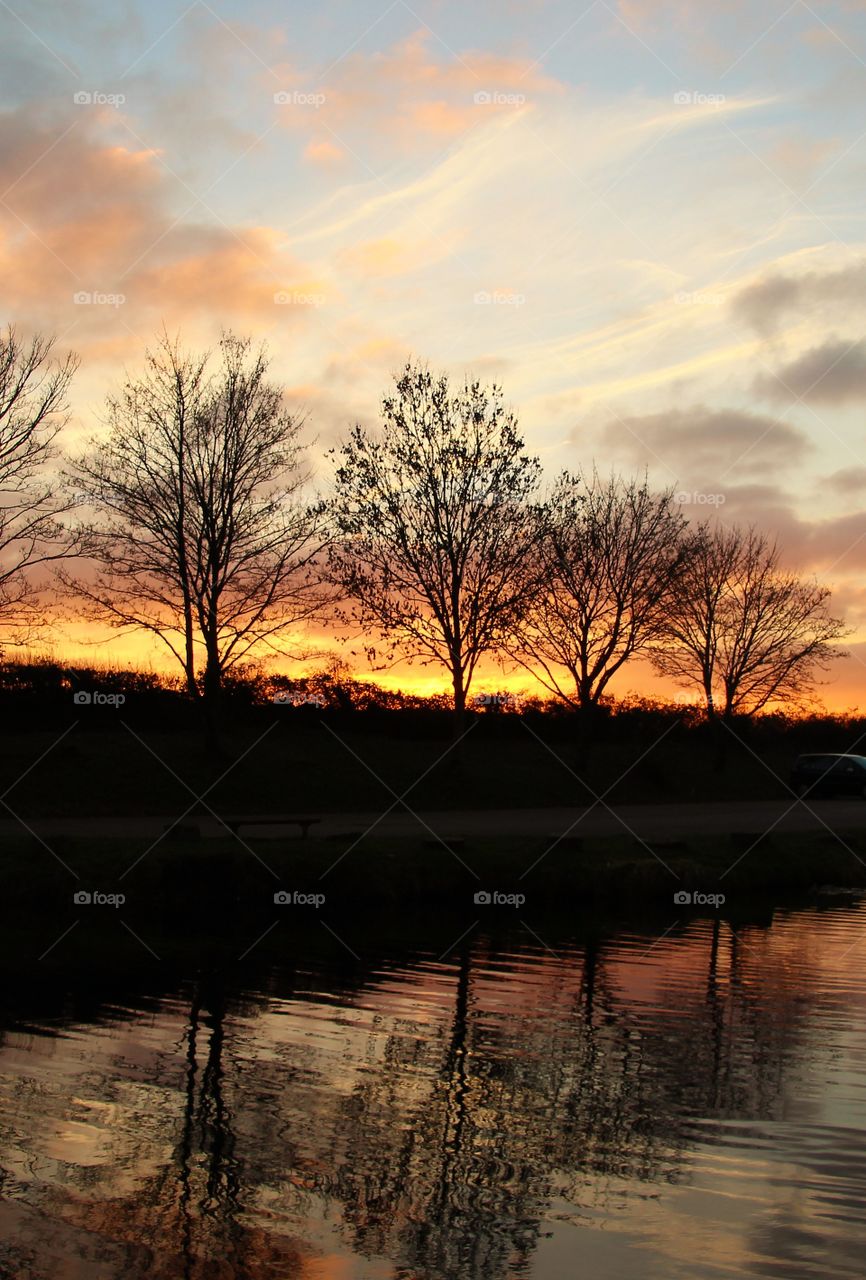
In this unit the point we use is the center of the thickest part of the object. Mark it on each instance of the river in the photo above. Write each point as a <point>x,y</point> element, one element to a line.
<point>605,1104</point>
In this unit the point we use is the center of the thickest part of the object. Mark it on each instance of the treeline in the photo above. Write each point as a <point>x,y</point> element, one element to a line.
<point>36,690</point>
<point>189,517</point>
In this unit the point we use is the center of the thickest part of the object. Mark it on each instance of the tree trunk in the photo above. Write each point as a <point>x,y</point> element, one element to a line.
<point>710,700</point>
<point>587,718</point>
<point>459,721</point>
<point>718,727</point>
<point>212,699</point>
<point>213,681</point>
<point>189,649</point>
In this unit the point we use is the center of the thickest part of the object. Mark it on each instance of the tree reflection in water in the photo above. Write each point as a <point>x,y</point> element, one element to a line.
<point>426,1120</point>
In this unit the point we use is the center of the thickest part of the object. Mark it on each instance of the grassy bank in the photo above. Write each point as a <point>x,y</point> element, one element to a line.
<point>200,881</point>
<point>333,765</point>
<point>138,747</point>
<point>209,906</point>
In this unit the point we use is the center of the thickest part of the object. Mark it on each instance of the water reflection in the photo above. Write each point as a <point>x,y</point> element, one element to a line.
<point>686,1106</point>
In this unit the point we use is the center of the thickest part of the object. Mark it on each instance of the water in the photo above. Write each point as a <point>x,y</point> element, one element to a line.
<point>692,1105</point>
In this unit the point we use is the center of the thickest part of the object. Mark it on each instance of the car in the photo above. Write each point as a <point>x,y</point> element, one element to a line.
<point>826,774</point>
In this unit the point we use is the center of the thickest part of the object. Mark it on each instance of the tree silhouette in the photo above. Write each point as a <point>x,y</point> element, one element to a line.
<point>200,536</point>
<point>435,527</point>
<point>33,389</point>
<point>607,565</point>
<point>745,631</point>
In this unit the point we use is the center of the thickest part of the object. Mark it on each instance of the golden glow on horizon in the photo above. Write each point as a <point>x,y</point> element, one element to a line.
<point>91,645</point>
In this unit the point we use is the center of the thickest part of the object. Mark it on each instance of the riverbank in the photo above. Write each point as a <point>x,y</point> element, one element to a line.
<point>211,904</point>
<point>197,878</point>
<point>95,766</point>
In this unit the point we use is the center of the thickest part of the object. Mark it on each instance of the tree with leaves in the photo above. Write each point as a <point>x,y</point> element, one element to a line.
<point>33,391</point>
<point>607,565</point>
<point>200,534</point>
<point>435,526</point>
<point>743,630</point>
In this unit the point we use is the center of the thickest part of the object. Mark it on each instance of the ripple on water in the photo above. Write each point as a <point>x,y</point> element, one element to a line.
<point>689,1102</point>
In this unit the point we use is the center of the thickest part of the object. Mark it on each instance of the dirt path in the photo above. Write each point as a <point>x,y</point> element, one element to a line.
<point>649,822</point>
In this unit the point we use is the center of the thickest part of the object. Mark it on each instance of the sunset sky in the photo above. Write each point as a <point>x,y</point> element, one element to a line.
<point>644,219</point>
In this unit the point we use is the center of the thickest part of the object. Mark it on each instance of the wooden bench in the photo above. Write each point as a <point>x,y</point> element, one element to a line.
<point>193,826</point>
<point>273,820</point>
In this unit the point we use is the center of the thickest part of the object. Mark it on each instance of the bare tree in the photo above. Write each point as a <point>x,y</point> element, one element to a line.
<point>608,561</point>
<point>435,525</point>
<point>200,535</point>
<point>746,632</point>
<point>33,390</point>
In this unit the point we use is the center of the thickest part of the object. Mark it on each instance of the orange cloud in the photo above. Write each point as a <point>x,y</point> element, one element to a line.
<point>90,242</point>
<point>407,96</point>
<point>211,267</point>
<point>382,258</point>
<point>324,153</point>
